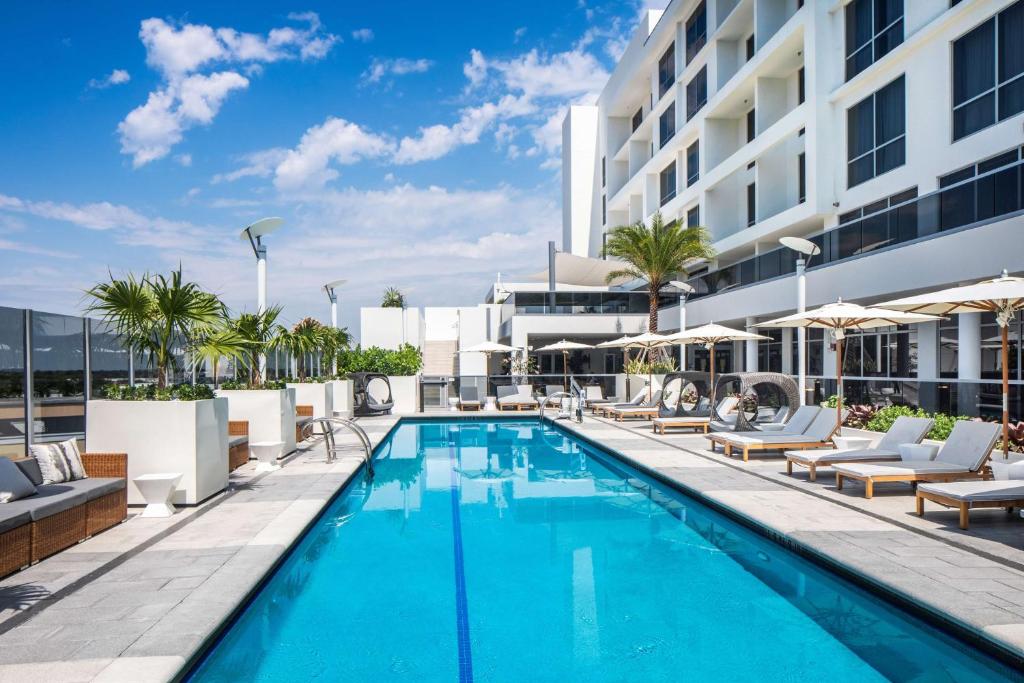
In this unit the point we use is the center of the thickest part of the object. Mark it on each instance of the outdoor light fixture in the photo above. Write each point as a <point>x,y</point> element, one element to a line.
<point>329,288</point>
<point>254,234</point>
<point>808,249</point>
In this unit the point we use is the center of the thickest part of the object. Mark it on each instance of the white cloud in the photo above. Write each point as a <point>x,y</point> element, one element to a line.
<point>475,69</point>
<point>363,35</point>
<point>379,68</point>
<point>115,77</point>
<point>519,33</point>
<point>184,160</point>
<point>186,97</point>
<point>335,141</point>
<point>257,165</point>
<point>434,142</point>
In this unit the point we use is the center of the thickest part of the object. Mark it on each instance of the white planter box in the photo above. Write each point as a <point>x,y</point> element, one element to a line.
<point>320,395</point>
<point>343,396</point>
<point>269,412</point>
<point>405,391</point>
<point>636,383</point>
<point>190,437</point>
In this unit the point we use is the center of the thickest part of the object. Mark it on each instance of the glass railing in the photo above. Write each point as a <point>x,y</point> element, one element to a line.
<point>578,303</point>
<point>977,200</point>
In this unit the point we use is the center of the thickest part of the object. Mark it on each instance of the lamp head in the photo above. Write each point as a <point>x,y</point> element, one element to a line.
<point>800,245</point>
<point>683,287</point>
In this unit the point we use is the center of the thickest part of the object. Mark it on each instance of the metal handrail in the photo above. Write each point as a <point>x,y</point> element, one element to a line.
<point>576,392</point>
<point>327,423</point>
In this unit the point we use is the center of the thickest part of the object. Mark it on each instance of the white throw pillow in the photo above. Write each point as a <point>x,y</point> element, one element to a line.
<point>59,462</point>
<point>1007,470</point>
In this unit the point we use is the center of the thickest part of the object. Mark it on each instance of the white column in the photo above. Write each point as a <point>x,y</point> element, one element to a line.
<point>682,326</point>
<point>787,350</point>
<point>801,333</point>
<point>334,324</point>
<point>968,364</point>
<point>751,347</point>
<point>261,296</point>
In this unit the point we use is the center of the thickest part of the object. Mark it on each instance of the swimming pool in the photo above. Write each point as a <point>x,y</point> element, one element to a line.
<point>507,551</point>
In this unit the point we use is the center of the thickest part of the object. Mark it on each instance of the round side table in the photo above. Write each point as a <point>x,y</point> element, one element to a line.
<point>156,490</point>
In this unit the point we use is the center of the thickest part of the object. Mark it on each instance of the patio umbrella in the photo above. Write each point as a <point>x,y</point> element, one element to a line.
<point>709,335</point>
<point>620,343</point>
<point>565,347</point>
<point>646,341</point>
<point>839,317</point>
<point>1003,296</point>
<point>487,348</point>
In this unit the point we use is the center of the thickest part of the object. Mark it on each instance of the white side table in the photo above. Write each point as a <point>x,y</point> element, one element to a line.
<point>266,453</point>
<point>491,403</point>
<point>851,443</point>
<point>918,451</point>
<point>156,490</point>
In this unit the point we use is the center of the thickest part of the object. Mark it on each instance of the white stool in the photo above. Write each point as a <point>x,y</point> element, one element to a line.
<point>491,403</point>
<point>156,490</point>
<point>851,443</point>
<point>266,452</point>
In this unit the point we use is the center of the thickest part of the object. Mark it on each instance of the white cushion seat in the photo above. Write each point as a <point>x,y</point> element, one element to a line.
<point>901,469</point>
<point>977,491</point>
<point>828,455</point>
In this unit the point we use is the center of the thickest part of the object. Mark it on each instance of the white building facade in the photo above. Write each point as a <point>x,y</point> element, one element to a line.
<point>888,132</point>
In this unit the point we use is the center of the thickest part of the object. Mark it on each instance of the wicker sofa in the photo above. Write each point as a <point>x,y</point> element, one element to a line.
<point>238,444</point>
<point>303,417</point>
<point>58,516</point>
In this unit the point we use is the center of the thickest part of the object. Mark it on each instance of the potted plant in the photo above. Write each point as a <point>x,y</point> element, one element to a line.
<point>401,366</point>
<point>162,428</point>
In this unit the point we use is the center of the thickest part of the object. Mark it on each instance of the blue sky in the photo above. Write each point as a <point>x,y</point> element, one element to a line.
<point>405,144</point>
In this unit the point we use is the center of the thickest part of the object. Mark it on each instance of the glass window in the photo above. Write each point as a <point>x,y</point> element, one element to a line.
<point>751,126</point>
<point>604,171</point>
<point>751,204</point>
<point>876,133</point>
<point>815,352</point>
<point>668,183</point>
<point>873,29</point>
<point>697,92</point>
<point>750,47</point>
<point>693,163</point>
<point>801,170</point>
<point>12,382</point>
<point>638,118</point>
<point>800,92</point>
<point>667,125</point>
<point>693,216</point>
<point>696,32</point>
<point>58,377</point>
<point>604,209</point>
<point>667,70</point>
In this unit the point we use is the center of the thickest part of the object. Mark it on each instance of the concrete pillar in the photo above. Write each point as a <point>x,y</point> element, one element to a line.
<point>751,347</point>
<point>787,350</point>
<point>968,363</point>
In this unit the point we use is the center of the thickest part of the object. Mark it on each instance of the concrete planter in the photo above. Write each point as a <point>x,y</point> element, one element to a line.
<point>269,412</point>
<point>320,395</point>
<point>636,383</point>
<point>343,397</point>
<point>189,437</point>
<point>405,390</point>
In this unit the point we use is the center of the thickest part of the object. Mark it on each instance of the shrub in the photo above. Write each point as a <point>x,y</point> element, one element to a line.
<point>151,392</point>
<point>943,424</point>
<point>407,360</point>
<point>235,384</point>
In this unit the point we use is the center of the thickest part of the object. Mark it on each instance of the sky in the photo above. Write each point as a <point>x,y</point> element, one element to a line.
<point>405,144</point>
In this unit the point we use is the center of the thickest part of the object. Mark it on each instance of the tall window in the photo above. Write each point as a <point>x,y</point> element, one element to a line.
<point>696,32</point>
<point>988,72</point>
<point>876,134</point>
<point>751,126</point>
<point>696,93</point>
<point>604,210</point>
<point>667,125</point>
<point>873,29</point>
<point>800,92</point>
<point>693,163</point>
<point>693,216</point>
<point>999,191</point>
<point>750,47</point>
<point>801,171</point>
<point>751,204</point>
<point>667,70</point>
<point>668,183</point>
<point>638,118</point>
<point>604,171</point>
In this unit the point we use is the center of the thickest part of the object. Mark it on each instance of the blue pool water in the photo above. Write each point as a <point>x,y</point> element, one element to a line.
<point>504,551</point>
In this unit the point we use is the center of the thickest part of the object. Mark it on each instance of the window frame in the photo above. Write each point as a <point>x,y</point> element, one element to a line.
<point>692,50</point>
<point>693,176</point>
<point>875,35</point>
<point>876,146</point>
<point>666,197</point>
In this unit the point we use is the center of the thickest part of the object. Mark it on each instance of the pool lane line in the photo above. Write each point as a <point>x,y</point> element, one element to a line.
<point>461,602</point>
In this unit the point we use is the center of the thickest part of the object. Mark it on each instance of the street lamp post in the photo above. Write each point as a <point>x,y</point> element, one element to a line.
<point>254,235</point>
<point>685,290</point>
<point>809,249</point>
<point>333,296</point>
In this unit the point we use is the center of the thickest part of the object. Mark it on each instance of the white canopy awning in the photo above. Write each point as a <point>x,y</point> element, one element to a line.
<point>581,270</point>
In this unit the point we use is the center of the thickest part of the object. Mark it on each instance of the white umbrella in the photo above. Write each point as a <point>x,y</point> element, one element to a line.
<point>1003,296</point>
<point>839,317</point>
<point>709,335</point>
<point>565,347</point>
<point>620,343</point>
<point>487,348</point>
<point>645,341</point>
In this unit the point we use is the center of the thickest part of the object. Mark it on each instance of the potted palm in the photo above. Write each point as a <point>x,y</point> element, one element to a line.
<point>162,428</point>
<point>306,340</point>
<point>267,406</point>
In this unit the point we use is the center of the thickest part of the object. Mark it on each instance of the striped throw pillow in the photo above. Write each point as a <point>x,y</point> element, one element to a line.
<point>59,462</point>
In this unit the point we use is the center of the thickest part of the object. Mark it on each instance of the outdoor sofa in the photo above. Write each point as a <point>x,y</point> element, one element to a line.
<point>818,434</point>
<point>963,456</point>
<point>238,443</point>
<point>57,516</point>
<point>905,430</point>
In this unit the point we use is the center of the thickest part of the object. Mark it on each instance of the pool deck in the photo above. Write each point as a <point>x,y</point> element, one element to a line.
<point>136,603</point>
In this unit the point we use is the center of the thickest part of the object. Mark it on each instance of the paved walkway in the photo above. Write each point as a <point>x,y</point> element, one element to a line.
<point>134,603</point>
<point>974,577</point>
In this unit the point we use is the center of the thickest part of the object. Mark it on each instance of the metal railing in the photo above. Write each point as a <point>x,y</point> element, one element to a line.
<point>326,424</point>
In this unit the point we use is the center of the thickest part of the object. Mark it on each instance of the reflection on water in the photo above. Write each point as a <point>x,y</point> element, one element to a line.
<point>576,568</point>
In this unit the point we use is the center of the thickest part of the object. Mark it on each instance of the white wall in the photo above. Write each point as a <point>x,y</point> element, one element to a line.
<point>580,170</point>
<point>388,328</point>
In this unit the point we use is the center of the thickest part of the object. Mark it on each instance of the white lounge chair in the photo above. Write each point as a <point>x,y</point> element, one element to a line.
<point>904,430</point>
<point>647,409</point>
<point>638,399</point>
<point>798,424</point>
<point>469,398</point>
<point>549,391</point>
<point>516,397</point>
<point>963,456</point>
<point>817,435</point>
<point>595,396</point>
<point>725,407</point>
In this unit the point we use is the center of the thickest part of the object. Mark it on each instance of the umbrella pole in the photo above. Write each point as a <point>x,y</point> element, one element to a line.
<point>565,371</point>
<point>625,367</point>
<point>714,389</point>
<point>1006,392</point>
<point>839,385</point>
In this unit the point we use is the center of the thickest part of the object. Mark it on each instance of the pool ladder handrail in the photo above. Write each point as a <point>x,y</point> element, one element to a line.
<point>576,391</point>
<point>327,425</point>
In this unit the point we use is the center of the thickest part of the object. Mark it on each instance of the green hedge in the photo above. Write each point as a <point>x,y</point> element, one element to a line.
<point>407,360</point>
<point>150,392</point>
<point>234,384</point>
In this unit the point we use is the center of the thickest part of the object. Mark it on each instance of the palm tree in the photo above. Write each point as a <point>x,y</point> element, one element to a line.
<point>656,254</point>
<point>155,314</point>
<point>392,298</point>
<point>221,342</point>
<point>258,329</point>
<point>305,337</point>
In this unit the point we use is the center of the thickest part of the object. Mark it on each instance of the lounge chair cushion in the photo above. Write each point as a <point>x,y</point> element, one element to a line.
<point>977,491</point>
<point>901,469</point>
<point>12,517</point>
<point>51,499</point>
<point>681,420</point>
<point>59,462</point>
<point>826,456</point>
<point>1008,471</point>
<point>30,468</point>
<point>969,444</point>
<point>237,440</point>
<point>13,482</point>
<point>802,419</point>
<point>905,430</point>
<point>506,391</point>
<point>97,487</point>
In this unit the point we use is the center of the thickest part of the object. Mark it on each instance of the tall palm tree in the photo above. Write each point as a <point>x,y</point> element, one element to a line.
<point>258,329</point>
<point>656,254</point>
<point>156,314</point>
<point>306,337</point>
<point>220,342</point>
<point>392,298</point>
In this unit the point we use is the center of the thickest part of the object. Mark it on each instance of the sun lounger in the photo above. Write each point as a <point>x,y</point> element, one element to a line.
<point>469,398</point>
<point>595,397</point>
<point>638,399</point>
<point>725,406</point>
<point>516,397</point>
<point>549,391</point>
<point>647,409</point>
<point>817,435</point>
<point>968,495</point>
<point>798,424</point>
<point>903,431</point>
<point>963,456</point>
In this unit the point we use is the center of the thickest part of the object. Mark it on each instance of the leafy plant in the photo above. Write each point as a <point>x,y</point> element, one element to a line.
<point>221,342</point>
<point>520,365</point>
<point>407,360</point>
<point>392,298</point>
<point>258,329</point>
<point>943,424</point>
<point>656,254</point>
<point>237,384</point>
<point>154,392</point>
